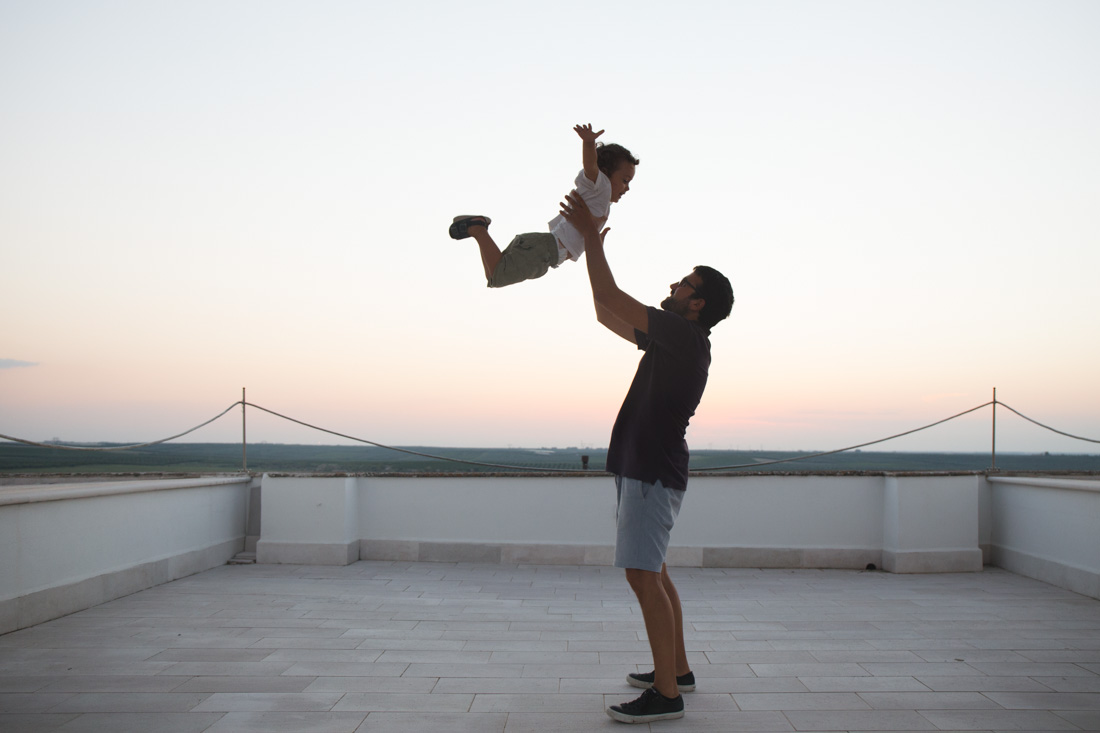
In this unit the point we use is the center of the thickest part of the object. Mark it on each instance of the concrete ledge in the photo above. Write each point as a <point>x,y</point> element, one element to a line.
<point>932,561</point>
<point>564,554</point>
<point>306,553</point>
<point>35,493</point>
<point>62,600</point>
<point>1072,484</point>
<point>1079,580</point>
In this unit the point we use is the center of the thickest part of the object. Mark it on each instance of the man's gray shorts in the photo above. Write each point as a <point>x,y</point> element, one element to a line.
<point>527,257</point>
<point>645,517</point>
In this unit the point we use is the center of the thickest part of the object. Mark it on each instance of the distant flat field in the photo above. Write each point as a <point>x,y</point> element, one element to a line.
<point>16,458</point>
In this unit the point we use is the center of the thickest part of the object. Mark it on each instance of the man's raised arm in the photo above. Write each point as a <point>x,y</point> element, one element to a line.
<point>615,309</point>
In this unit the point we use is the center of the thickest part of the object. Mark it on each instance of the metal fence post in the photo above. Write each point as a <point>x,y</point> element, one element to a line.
<point>244,431</point>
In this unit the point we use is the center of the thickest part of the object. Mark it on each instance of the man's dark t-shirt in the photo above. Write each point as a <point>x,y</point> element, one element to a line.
<point>647,442</point>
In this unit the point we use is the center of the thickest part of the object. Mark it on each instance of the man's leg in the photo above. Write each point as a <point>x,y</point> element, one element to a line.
<point>682,667</point>
<point>660,625</point>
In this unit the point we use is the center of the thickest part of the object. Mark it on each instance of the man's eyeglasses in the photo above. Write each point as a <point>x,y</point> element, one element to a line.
<point>685,283</point>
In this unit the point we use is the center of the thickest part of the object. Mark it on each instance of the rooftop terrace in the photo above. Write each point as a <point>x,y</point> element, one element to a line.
<point>399,646</point>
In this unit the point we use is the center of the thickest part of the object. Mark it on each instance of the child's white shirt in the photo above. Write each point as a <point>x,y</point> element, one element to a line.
<point>598,197</point>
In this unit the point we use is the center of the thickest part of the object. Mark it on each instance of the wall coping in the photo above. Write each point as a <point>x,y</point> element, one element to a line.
<point>34,493</point>
<point>1047,482</point>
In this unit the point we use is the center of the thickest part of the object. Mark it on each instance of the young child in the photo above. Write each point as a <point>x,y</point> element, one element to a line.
<point>606,176</point>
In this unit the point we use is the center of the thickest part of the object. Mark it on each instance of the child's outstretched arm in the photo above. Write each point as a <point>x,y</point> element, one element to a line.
<point>588,150</point>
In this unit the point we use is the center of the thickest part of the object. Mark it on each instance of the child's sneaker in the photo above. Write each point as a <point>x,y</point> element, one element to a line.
<point>462,223</point>
<point>644,680</point>
<point>651,706</point>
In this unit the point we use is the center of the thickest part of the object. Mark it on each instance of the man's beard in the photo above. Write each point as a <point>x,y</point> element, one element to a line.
<point>670,304</point>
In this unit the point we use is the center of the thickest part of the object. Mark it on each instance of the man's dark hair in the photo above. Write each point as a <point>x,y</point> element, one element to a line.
<point>718,294</point>
<point>610,156</point>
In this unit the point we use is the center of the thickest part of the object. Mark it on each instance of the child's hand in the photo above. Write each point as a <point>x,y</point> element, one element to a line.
<point>586,134</point>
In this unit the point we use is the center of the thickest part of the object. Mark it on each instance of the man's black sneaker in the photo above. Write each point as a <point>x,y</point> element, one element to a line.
<point>651,706</point>
<point>684,683</point>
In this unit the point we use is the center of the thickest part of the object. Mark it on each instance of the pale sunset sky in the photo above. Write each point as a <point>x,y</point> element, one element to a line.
<point>201,196</point>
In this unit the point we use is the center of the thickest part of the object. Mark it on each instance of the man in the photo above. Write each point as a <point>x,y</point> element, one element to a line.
<point>648,453</point>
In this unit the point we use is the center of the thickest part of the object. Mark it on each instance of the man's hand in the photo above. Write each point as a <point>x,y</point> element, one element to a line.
<point>614,308</point>
<point>586,134</point>
<point>575,211</point>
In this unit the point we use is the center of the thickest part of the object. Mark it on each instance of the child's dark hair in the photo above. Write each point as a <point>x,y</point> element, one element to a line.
<point>718,294</point>
<point>610,156</point>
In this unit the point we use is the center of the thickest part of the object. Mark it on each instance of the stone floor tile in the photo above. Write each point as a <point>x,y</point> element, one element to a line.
<point>297,654</point>
<point>970,656</point>
<point>500,685</point>
<point>809,670</point>
<point>929,700</point>
<point>864,684</point>
<point>109,683</point>
<point>25,684</point>
<point>244,684</point>
<point>860,720</point>
<point>244,669</point>
<point>922,669</point>
<point>464,670</point>
<point>421,685</point>
<point>210,655</point>
<point>961,684</point>
<point>304,642</point>
<point>26,702</point>
<point>731,685</point>
<point>998,720</point>
<point>32,723</point>
<point>401,702</point>
<point>404,656</point>
<point>696,702</point>
<point>288,723</point>
<point>129,702</point>
<point>562,722</point>
<point>140,723</point>
<point>345,669</point>
<point>384,722</point>
<point>800,701</point>
<point>876,656</point>
<point>1068,684</point>
<point>761,657</point>
<point>600,685</point>
<point>537,703</point>
<point>1033,669</point>
<point>526,646</point>
<point>1083,719</point>
<point>296,702</point>
<point>1046,700</point>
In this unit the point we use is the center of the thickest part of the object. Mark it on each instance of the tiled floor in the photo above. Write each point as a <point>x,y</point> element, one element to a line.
<point>431,647</point>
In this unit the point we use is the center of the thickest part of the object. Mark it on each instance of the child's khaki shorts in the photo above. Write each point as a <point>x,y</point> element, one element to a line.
<point>527,257</point>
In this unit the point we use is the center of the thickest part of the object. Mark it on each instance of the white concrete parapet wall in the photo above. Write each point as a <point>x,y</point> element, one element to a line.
<point>309,521</point>
<point>1048,529</point>
<point>913,524</point>
<point>67,547</point>
<point>931,526</point>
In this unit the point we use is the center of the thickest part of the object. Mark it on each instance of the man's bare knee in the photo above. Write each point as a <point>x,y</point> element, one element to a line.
<point>643,582</point>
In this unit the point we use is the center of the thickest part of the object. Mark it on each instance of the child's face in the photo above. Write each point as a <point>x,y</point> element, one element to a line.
<point>620,180</point>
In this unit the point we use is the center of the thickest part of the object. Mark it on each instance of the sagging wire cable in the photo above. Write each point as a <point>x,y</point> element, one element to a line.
<point>119,447</point>
<point>1036,422</point>
<point>852,447</point>
<point>423,455</point>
